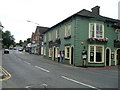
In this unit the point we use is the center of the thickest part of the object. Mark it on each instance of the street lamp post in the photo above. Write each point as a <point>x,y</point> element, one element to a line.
<point>32,22</point>
<point>1,74</point>
<point>34,41</point>
<point>1,28</point>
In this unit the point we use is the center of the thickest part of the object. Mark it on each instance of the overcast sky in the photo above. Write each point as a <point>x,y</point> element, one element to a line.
<point>15,13</point>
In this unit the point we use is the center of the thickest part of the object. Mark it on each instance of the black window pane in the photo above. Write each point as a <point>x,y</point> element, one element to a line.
<point>98,57</point>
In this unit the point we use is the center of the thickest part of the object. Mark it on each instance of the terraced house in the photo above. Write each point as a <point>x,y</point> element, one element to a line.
<point>37,38</point>
<point>87,36</point>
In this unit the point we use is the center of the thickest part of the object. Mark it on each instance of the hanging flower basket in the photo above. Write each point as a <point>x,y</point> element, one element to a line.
<point>116,41</point>
<point>50,42</point>
<point>58,41</point>
<point>67,37</point>
<point>97,40</point>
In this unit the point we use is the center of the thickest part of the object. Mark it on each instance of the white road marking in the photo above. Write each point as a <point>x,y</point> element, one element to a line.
<point>44,85</point>
<point>42,69</point>
<point>28,86</point>
<point>27,62</point>
<point>21,52</point>
<point>79,82</point>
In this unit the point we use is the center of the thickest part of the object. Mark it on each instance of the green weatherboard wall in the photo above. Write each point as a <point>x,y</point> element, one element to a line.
<point>80,33</point>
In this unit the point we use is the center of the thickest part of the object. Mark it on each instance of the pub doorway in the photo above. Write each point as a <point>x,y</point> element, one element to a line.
<point>54,53</point>
<point>107,57</point>
<point>72,54</point>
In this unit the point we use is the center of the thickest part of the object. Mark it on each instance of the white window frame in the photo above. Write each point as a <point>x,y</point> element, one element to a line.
<point>95,24</point>
<point>44,51</point>
<point>95,53</point>
<point>118,31</point>
<point>57,34</point>
<point>56,52</point>
<point>45,38</point>
<point>50,36</point>
<point>66,52</point>
<point>41,50</point>
<point>50,52</point>
<point>67,28</point>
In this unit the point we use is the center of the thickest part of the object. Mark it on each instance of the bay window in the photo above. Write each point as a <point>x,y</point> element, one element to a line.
<point>96,30</point>
<point>96,53</point>
<point>91,30</point>
<point>99,51</point>
<point>67,52</point>
<point>57,34</point>
<point>68,30</point>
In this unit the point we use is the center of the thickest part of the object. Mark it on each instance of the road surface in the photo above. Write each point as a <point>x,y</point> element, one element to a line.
<point>33,71</point>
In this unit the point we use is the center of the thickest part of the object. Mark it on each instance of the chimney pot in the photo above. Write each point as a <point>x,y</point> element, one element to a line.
<point>95,10</point>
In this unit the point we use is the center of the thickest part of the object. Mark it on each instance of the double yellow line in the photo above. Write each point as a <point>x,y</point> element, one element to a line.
<point>8,75</point>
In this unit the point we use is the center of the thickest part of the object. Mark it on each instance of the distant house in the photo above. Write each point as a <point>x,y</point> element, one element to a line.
<point>85,35</point>
<point>37,39</point>
<point>32,43</point>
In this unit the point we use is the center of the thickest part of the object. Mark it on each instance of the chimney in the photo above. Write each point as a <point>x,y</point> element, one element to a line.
<point>95,10</point>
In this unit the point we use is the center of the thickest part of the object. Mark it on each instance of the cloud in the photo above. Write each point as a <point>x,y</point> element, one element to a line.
<point>14,13</point>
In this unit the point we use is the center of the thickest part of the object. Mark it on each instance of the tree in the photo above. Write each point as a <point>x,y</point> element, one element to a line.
<point>28,40</point>
<point>8,39</point>
<point>20,43</point>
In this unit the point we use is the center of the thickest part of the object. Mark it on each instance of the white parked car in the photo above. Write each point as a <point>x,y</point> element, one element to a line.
<point>21,49</point>
<point>6,51</point>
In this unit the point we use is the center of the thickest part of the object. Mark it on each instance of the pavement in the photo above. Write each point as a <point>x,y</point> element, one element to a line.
<point>102,68</point>
<point>96,68</point>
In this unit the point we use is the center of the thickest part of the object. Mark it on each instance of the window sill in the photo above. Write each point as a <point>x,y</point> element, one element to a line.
<point>97,40</point>
<point>57,38</point>
<point>96,62</point>
<point>67,58</point>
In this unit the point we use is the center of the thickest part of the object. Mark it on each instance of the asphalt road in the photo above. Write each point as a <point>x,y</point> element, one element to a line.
<point>34,71</point>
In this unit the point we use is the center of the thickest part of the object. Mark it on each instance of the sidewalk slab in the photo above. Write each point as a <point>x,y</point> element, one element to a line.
<point>97,68</point>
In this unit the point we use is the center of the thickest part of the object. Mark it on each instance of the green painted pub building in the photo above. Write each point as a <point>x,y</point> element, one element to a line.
<point>87,36</point>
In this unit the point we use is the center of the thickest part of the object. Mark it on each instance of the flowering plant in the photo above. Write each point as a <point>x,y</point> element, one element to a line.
<point>50,42</point>
<point>58,41</point>
<point>116,41</point>
<point>67,37</point>
<point>97,39</point>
